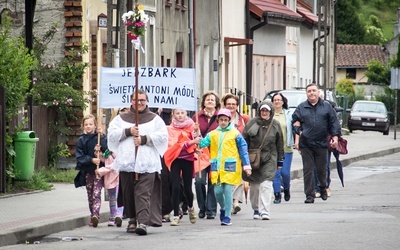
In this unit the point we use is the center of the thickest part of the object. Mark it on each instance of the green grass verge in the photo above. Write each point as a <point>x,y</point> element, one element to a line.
<point>42,179</point>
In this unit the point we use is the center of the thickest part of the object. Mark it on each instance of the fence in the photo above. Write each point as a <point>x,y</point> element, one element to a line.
<point>42,119</point>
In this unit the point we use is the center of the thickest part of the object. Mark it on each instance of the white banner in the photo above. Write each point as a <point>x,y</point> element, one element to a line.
<point>172,88</point>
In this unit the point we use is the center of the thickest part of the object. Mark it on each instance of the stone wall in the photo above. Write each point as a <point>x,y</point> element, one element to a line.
<point>47,12</point>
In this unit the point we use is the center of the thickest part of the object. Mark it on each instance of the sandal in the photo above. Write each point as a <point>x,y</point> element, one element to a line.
<point>131,226</point>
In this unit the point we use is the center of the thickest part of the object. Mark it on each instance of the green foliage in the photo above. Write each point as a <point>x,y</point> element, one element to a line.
<point>58,151</point>
<point>350,28</point>
<point>16,64</point>
<point>42,179</point>
<point>345,87</point>
<point>38,182</point>
<point>387,97</point>
<point>59,85</point>
<point>378,73</point>
<point>57,175</point>
<point>375,22</point>
<point>373,35</point>
<point>385,12</point>
<point>378,4</point>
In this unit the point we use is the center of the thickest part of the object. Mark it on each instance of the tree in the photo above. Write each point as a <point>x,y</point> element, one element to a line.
<point>350,29</point>
<point>378,73</point>
<point>374,35</point>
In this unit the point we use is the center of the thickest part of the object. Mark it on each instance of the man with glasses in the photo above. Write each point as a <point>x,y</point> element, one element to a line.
<point>138,148</point>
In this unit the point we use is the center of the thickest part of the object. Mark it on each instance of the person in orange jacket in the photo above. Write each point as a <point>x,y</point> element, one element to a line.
<point>179,159</point>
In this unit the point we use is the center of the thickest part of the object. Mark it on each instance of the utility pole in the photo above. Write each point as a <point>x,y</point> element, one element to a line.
<point>116,39</point>
<point>321,43</point>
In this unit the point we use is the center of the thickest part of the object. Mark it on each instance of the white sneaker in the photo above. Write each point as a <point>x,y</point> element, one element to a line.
<point>264,216</point>
<point>175,221</point>
<point>317,195</point>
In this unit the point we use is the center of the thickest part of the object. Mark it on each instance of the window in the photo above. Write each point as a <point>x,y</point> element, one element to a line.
<point>179,58</point>
<point>351,73</point>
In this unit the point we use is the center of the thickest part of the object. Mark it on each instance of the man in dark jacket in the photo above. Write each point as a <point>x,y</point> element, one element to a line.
<point>314,120</point>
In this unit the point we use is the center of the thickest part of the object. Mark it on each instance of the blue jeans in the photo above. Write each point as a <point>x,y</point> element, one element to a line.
<point>205,198</point>
<point>282,176</point>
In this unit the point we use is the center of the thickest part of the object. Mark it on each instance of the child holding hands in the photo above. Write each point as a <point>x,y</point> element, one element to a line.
<point>88,154</point>
<point>228,153</point>
<point>111,181</point>
<point>179,159</point>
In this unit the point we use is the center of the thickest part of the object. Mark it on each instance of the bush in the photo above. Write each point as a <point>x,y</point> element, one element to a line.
<point>58,85</point>
<point>16,64</point>
<point>345,87</point>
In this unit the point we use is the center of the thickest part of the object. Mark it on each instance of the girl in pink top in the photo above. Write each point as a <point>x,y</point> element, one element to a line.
<point>111,180</point>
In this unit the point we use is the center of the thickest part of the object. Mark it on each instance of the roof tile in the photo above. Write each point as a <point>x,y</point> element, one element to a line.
<point>355,55</point>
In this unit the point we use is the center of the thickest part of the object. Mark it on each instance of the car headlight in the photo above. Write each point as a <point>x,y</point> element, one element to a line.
<point>356,118</point>
<point>381,119</point>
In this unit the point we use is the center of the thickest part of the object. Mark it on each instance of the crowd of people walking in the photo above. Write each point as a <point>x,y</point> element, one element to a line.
<point>147,162</point>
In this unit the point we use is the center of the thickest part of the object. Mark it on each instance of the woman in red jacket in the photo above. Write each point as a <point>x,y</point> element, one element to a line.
<point>206,119</point>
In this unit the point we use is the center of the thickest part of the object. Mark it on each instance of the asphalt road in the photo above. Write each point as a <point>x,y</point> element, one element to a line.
<point>365,214</point>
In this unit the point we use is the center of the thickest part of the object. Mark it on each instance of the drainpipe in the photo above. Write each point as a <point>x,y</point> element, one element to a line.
<point>314,55</point>
<point>249,51</point>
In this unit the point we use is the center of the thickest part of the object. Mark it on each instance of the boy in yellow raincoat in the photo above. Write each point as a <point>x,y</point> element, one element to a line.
<point>228,153</point>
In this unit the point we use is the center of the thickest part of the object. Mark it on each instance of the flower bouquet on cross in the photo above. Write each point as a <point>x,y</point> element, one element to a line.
<point>135,22</point>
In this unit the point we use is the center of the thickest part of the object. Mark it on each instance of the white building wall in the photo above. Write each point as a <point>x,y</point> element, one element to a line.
<point>305,57</point>
<point>207,45</point>
<point>233,75</point>
<point>270,40</point>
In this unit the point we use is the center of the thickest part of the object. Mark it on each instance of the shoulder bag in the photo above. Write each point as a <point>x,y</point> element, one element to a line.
<point>255,153</point>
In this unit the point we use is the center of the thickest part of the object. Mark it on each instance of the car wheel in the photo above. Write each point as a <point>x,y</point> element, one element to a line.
<point>386,132</point>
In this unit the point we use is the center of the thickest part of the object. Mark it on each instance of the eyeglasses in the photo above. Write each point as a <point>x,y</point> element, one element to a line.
<point>140,100</point>
<point>264,110</point>
<point>231,104</point>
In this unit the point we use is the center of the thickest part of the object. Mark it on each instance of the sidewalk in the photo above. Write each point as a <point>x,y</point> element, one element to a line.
<point>25,217</point>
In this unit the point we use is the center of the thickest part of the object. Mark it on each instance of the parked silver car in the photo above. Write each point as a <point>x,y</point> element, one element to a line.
<point>295,97</point>
<point>369,116</point>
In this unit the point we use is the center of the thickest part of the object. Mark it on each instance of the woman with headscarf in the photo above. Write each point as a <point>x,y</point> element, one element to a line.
<point>272,155</point>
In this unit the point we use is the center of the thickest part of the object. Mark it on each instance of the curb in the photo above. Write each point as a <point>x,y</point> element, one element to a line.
<point>297,174</point>
<point>21,236</point>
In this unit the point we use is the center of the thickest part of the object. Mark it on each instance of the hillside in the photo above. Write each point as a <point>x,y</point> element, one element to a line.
<point>385,10</point>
